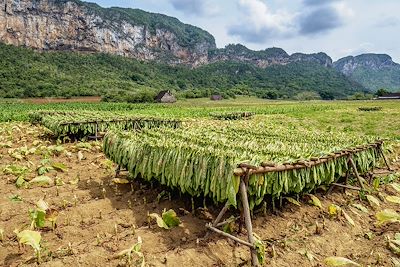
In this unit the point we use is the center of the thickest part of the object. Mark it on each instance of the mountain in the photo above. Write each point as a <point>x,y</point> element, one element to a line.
<point>28,73</point>
<point>125,52</point>
<point>265,58</point>
<point>79,26</point>
<point>72,25</point>
<point>374,71</point>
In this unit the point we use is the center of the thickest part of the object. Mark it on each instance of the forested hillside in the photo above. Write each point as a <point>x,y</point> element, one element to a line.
<point>26,73</point>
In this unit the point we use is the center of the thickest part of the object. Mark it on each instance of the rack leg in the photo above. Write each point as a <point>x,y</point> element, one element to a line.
<point>221,214</point>
<point>96,134</point>
<point>219,217</point>
<point>117,171</point>
<point>385,159</point>
<point>249,226</point>
<point>353,165</point>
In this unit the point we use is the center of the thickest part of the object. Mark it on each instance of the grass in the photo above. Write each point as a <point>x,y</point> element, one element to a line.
<point>329,115</point>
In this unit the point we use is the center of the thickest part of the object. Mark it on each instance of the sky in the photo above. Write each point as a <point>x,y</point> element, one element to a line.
<point>336,27</point>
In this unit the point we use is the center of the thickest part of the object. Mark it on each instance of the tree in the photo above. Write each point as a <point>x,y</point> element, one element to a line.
<point>381,92</point>
<point>327,95</point>
<point>307,95</point>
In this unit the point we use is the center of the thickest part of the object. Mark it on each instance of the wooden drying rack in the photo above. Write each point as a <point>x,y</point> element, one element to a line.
<point>246,170</point>
<point>131,120</point>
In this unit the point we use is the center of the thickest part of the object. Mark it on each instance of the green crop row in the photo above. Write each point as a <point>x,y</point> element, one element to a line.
<point>86,123</point>
<point>200,158</point>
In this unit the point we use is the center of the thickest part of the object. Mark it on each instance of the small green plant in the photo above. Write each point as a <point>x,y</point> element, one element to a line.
<point>387,216</point>
<point>260,248</point>
<point>15,198</point>
<point>33,239</point>
<point>167,220</point>
<point>42,214</point>
<point>130,252</point>
<point>19,172</point>
<point>340,261</point>
<point>60,167</point>
<point>394,244</point>
<point>42,181</point>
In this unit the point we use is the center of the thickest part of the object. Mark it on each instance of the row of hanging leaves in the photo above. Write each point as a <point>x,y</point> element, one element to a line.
<point>86,123</point>
<point>201,159</point>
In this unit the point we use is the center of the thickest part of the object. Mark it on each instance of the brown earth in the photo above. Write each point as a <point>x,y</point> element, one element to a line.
<point>47,100</point>
<point>98,219</point>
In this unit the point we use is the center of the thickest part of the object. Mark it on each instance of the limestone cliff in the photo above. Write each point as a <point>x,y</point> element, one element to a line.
<point>79,26</point>
<point>265,58</point>
<point>374,71</point>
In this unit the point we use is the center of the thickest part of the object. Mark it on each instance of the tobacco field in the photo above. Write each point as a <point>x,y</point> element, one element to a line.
<point>62,203</point>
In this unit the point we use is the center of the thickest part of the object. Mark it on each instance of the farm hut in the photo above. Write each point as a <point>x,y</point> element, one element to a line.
<point>389,96</point>
<point>216,97</point>
<point>165,97</point>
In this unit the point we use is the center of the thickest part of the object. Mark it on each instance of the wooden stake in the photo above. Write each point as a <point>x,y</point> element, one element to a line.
<point>221,214</point>
<point>384,158</point>
<point>234,238</point>
<point>346,180</point>
<point>347,186</point>
<point>265,208</point>
<point>356,173</point>
<point>117,171</point>
<point>96,131</point>
<point>247,218</point>
<point>219,217</point>
<point>227,221</point>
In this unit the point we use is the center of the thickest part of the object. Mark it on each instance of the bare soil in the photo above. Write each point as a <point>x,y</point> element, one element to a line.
<point>48,100</point>
<point>98,219</point>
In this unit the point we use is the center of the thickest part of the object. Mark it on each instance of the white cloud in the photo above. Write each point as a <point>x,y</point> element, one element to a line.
<point>196,7</point>
<point>260,23</point>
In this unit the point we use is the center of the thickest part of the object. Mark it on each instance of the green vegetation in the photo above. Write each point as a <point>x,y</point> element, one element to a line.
<point>201,158</point>
<point>374,71</point>
<point>86,123</point>
<point>241,50</point>
<point>388,78</point>
<point>25,73</point>
<point>232,115</point>
<point>328,115</point>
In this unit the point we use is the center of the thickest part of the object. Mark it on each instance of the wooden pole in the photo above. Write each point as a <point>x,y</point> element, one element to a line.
<point>267,167</point>
<point>219,217</point>
<point>249,226</point>
<point>234,238</point>
<point>384,158</point>
<point>347,186</point>
<point>96,130</point>
<point>221,214</point>
<point>117,171</point>
<point>356,173</point>
<point>227,221</point>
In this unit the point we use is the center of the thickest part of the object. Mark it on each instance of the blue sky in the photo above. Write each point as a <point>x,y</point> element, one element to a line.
<point>337,27</point>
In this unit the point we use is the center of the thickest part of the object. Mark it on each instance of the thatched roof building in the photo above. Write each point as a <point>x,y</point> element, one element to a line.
<point>216,97</point>
<point>165,97</point>
<point>389,96</point>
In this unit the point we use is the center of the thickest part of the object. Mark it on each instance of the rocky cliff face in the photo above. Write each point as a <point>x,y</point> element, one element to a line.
<point>267,57</point>
<point>79,26</point>
<point>320,58</point>
<point>348,65</point>
<point>374,71</point>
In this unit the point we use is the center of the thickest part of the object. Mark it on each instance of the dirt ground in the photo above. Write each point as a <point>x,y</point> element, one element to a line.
<point>97,219</point>
<point>47,100</point>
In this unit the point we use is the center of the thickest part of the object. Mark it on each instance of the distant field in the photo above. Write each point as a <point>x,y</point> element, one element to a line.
<point>330,115</point>
<point>183,157</point>
<point>47,100</point>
